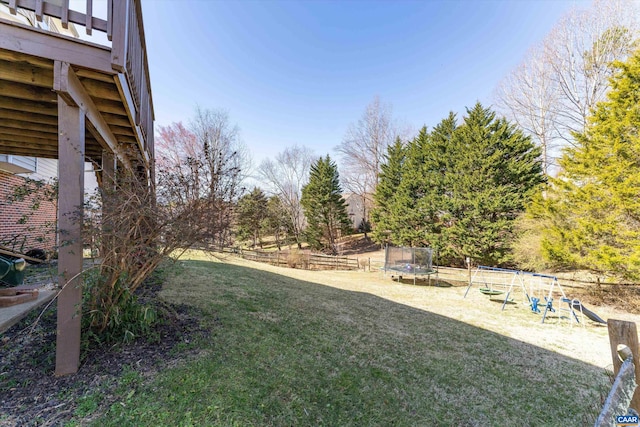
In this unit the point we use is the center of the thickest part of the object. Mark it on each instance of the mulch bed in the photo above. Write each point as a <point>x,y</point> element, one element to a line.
<point>30,394</point>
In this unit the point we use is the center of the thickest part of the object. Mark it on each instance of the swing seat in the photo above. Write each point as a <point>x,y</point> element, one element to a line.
<point>534,305</point>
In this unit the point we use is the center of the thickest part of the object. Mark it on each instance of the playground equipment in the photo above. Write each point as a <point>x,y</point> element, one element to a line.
<point>407,261</point>
<point>498,281</point>
<point>577,305</point>
<point>539,283</point>
<point>538,291</point>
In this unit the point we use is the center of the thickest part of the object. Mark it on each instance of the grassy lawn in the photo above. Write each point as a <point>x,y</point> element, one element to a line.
<point>285,351</point>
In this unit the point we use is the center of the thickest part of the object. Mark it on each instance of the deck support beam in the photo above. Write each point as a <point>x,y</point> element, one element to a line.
<point>71,146</point>
<point>69,87</point>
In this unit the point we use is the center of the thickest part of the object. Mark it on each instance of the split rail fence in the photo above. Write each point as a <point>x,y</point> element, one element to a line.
<point>298,259</point>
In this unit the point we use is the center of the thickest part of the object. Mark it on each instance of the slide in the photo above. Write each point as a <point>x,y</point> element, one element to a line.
<point>577,305</point>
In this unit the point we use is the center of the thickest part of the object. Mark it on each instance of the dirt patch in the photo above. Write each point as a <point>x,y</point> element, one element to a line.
<point>358,246</point>
<point>32,395</point>
<point>622,297</point>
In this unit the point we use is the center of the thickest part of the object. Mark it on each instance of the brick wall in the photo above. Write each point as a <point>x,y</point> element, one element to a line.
<point>21,226</point>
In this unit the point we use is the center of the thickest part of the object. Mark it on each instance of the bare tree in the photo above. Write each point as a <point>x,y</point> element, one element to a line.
<point>176,153</point>
<point>205,161</point>
<point>528,95</point>
<point>553,91</point>
<point>223,157</point>
<point>580,50</point>
<point>198,173</point>
<point>286,175</point>
<point>362,152</point>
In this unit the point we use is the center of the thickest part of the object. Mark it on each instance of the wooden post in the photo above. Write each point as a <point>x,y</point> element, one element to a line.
<point>119,23</point>
<point>71,131</point>
<point>626,333</point>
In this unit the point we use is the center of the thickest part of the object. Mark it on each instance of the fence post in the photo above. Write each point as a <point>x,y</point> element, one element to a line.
<point>626,333</point>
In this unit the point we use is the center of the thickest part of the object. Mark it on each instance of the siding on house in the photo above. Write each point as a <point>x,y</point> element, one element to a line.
<point>357,206</point>
<point>17,164</point>
<point>47,23</point>
<point>46,170</point>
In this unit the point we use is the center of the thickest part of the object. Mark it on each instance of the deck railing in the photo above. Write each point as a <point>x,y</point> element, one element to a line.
<point>125,30</point>
<point>129,55</point>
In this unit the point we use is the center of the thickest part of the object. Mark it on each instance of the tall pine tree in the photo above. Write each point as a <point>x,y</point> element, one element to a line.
<point>435,171</point>
<point>495,171</point>
<point>593,208</point>
<point>407,221</point>
<point>461,188</point>
<point>388,183</point>
<point>324,207</point>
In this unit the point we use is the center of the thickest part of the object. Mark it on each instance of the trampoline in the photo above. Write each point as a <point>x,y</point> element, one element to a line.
<point>408,261</point>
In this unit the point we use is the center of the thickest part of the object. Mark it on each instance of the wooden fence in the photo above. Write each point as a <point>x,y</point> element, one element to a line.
<point>298,259</point>
<point>624,397</point>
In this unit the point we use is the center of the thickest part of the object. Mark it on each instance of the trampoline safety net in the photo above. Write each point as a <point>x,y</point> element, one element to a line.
<point>409,260</point>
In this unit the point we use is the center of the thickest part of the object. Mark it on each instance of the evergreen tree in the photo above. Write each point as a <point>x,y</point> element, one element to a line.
<point>592,210</point>
<point>324,206</point>
<point>408,221</point>
<point>417,200</point>
<point>461,188</point>
<point>495,171</point>
<point>388,183</point>
<point>437,167</point>
<point>251,213</point>
<point>278,221</point>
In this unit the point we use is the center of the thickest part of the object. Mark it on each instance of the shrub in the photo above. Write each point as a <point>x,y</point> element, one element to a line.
<point>527,247</point>
<point>123,319</point>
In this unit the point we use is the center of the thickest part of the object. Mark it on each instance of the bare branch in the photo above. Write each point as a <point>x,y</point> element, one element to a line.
<point>286,175</point>
<point>552,93</point>
<point>363,148</point>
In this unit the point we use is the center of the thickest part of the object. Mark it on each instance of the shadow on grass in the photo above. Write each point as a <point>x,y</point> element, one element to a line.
<point>293,352</point>
<point>422,281</point>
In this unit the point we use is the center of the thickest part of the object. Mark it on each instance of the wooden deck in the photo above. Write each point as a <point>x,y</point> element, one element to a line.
<point>110,83</point>
<point>65,98</point>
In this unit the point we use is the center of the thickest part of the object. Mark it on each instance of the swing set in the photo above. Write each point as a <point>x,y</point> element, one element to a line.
<point>495,282</point>
<point>537,290</point>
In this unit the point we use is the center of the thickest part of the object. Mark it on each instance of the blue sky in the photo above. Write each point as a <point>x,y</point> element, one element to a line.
<point>299,72</point>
